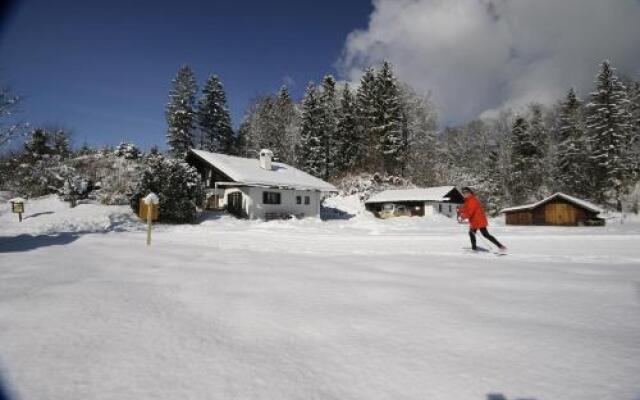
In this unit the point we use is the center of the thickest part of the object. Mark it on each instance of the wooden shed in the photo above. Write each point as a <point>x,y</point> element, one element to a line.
<point>559,209</point>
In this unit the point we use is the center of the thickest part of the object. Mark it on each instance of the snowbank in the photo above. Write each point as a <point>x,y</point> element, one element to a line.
<point>49,215</point>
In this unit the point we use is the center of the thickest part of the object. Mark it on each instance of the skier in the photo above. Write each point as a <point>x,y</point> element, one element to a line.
<point>473,211</point>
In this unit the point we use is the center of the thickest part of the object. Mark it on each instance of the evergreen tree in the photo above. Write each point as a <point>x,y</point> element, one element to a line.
<point>524,160</point>
<point>419,123</point>
<point>61,143</point>
<point>177,184</point>
<point>328,125</point>
<point>610,134</point>
<point>572,157</point>
<point>387,127</point>
<point>38,142</point>
<point>365,118</point>
<point>634,98</point>
<point>216,133</point>
<point>180,112</point>
<point>241,143</point>
<point>285,122</point>
<point>311,146</point>
<point>351,148</point>
<point>540,138</point>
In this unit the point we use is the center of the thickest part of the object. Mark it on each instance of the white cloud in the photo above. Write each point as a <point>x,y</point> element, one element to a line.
<point>481,55</point>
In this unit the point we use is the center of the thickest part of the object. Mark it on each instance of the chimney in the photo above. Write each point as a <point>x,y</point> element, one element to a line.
<point>265,159</point>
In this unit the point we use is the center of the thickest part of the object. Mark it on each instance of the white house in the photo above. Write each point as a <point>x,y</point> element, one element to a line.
<point>258,188</point>
<point>416,202</point>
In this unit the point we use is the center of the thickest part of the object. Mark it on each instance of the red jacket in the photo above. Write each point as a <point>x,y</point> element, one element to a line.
<point>472,210</point>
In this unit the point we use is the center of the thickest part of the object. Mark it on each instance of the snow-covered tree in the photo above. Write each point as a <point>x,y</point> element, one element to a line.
<point>387,127</point>
<point>272,122</point>
<point>37,143</point>
<point>286,122</point>
<point>351,147</point>
<point>128,151</point>
<point>525,158</point>
<point>365,118</point>
<point>71,184</point>
<point>419,123</point>
<point>177,184</point>
<point>572,164</point>
<point>8,128</point>
<point>540,137</point>
<point>61,142</point>
<point>311,154</point>
<point>180,112</point>
<point>610,134</point>
<point>328,125</point>
<point>216,133</point>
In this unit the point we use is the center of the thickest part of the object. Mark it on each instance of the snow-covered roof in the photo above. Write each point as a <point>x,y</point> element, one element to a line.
<point>438,193</point>
<point>247,171</point>
<point>578,202</point>
<point>17,200</point>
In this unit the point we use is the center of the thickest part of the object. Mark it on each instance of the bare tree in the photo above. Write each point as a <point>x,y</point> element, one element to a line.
<point>9,128</point>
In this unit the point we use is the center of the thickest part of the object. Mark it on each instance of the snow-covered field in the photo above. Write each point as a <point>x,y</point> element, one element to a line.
<point>344,309</point>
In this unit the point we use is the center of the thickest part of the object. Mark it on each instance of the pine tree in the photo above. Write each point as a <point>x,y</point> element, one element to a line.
<point>610,134</point>
<point>365,118</point>
<point>540,138</point>
<point>387,127</point>
<point>524,160</point>
<point>328,125</point>
<point>180,113</point>
<point>419,123</point>
<point>572,157</point>
<point>61,143</point>
<point>214,121</point>
<point>285,121</point>
<point>634,98</point>
<point>311,146</point>
<point>350,146</point>
<point>38,142</point>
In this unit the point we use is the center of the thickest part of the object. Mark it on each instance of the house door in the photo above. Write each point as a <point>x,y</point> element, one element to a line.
<point>234,203</point>
<point>559,214</point>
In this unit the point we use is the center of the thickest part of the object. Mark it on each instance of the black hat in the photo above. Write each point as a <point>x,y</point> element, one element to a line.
<point>467,189</point>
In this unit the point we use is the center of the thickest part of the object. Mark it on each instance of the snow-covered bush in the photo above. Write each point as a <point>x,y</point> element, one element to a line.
<point>127,151</point>
<point>113,176</point>
<point>72,185</point>
<point>28,175</point>
<point>176,183</point>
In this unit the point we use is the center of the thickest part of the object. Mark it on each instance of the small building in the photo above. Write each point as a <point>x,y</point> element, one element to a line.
<point>258,188</point>
<point>558,209</point>
<point>416,202</point>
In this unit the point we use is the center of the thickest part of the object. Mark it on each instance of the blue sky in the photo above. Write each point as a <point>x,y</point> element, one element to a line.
<point>103,68</point>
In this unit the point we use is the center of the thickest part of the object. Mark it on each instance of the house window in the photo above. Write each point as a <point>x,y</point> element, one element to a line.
<point>298,199</point>
<point>439,208</point>
<point>450,209</point>
<point>307,200</point>
<point>270,198</point>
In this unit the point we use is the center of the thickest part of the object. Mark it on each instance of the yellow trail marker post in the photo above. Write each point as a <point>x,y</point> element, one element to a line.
<point>151,201</point>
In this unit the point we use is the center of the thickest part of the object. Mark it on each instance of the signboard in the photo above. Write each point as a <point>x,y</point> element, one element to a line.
<point>144,209</point>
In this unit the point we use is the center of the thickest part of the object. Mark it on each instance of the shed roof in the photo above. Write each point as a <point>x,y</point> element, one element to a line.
<point>247,171</point>
<point>574,200</point>
<point>439,193</point>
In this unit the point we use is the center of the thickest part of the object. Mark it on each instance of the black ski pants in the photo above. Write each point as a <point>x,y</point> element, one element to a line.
<point>485,233</point>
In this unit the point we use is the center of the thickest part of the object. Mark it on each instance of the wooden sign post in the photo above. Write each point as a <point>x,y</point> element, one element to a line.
<point>151,201</point>
<point>17,207</point>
